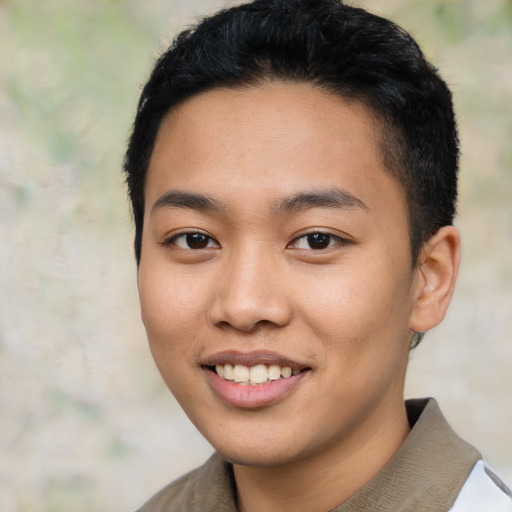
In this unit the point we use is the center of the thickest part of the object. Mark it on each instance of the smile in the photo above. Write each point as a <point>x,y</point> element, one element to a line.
<point>254,375</point>
<point>252,380</point>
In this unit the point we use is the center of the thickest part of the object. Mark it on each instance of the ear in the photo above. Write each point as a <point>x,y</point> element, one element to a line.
<point>438,265</point>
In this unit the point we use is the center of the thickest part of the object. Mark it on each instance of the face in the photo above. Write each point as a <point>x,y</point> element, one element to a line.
<point>275,281</point>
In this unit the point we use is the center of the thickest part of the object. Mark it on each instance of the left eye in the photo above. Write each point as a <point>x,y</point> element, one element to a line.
<point>194,241</point>
<point>316,241</point>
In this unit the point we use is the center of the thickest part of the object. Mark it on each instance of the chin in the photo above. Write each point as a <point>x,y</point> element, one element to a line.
<point>255,457</point>
<point>257,452</point>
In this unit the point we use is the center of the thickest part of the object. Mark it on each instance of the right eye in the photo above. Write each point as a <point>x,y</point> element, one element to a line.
<point>193,241</point>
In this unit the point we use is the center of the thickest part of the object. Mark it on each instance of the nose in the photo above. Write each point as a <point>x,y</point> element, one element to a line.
<point>251,292</point>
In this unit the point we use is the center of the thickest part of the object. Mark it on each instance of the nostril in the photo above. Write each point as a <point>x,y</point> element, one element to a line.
<point>264,322</point>
<point>247,326</point>
<point>246,308</point>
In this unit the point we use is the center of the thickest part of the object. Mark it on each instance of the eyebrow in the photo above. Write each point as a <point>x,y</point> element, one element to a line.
<point>302,201</point>
<point>180,199</point>
<point>329,198</point>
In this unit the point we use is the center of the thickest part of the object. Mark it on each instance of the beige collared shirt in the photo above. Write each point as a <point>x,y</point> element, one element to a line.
<point>427,474</point>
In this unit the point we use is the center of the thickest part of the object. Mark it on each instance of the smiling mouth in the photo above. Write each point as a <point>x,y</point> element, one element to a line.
<point>257,375</point>
<point>255,379</point>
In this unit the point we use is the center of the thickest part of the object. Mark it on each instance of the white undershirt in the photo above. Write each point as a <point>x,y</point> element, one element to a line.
<point>481,494</point>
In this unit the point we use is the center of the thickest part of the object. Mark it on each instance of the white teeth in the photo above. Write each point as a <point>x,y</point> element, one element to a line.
<point>228,372</point>
<point>254,375</point>
<point>274,372</point>
<point>258,374</point>
<point>286,372</point>
<point>241,373</point>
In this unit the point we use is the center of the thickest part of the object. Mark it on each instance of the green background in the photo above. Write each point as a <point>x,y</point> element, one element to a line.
<point>85,423</point>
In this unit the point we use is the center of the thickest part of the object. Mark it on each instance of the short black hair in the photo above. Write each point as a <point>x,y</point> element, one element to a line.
<point>338,48</point>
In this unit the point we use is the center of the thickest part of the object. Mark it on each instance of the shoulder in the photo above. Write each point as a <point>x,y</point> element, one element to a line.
<point>483,490</point>
<point>210,487</point>
<point>173,496</point>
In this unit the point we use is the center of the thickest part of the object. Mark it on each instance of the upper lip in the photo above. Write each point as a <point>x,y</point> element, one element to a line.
<point>252,359</point>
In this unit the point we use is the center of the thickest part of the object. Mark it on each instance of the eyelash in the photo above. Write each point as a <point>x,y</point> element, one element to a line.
<point>173,239</point>
<point>332,240</point>
<point>325,239</point>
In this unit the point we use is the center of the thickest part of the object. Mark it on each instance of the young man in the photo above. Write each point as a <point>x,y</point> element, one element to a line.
<point>292,172</point>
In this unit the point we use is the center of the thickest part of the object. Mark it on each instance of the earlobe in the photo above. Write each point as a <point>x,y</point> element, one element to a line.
<point>437,272</point>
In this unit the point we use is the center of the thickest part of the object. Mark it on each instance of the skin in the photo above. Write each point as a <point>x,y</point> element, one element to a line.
<point>346,311</point>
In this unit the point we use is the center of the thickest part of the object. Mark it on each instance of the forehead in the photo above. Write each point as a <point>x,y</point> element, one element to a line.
<point>268,141</point>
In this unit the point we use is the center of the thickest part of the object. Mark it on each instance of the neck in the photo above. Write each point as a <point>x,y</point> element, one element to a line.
<point>320,482</point>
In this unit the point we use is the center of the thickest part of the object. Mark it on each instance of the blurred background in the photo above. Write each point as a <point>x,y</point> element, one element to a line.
<point>86,425</point>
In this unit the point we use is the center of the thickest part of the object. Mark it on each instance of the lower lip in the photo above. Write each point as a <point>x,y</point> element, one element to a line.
<point>251,397</point>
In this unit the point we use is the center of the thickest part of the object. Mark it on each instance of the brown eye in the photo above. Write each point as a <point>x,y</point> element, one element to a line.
<point>193,241</point>
<point>197,240</point>
<point>318,240</point>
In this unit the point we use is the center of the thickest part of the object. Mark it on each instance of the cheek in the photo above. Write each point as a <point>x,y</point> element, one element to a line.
<point>171,330</point>
<point>168,308</point>
<point>357,304</point>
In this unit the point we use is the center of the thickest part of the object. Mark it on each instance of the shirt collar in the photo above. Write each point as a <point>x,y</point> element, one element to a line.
<point>426,473</point>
